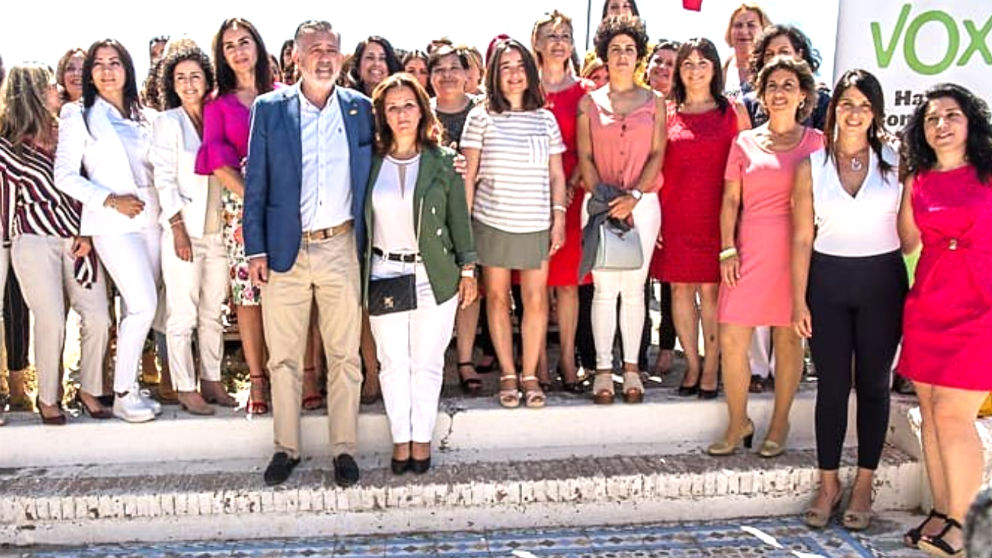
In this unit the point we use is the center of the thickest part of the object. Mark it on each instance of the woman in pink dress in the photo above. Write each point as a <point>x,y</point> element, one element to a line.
<point>551,40</point>
<point>702,123</point>
<point>755,232</point>
<point>947,324</point>
<point>243,72</point>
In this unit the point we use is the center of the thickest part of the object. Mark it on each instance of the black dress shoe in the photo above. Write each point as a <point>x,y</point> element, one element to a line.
<point>279,468</point>
<point>345,470</point>
<point>400,466</point>
<point>420,466</point>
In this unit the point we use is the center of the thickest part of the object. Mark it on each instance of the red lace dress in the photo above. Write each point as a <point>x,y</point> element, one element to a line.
<point>695,158</point>
<point>563,269</point>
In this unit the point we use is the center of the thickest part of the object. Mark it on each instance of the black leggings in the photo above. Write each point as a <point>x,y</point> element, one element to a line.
<point>16,324</point>
<point>856,306</point>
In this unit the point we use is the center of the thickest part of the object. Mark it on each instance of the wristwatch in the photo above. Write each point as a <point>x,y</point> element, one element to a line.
<point>636,194</point>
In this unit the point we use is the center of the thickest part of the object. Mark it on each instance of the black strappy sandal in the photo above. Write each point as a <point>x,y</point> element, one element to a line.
<point>938,546</point>
<point>912,537</point>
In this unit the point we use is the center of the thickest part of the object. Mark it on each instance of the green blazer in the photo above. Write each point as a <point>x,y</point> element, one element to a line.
<point>441,215</point>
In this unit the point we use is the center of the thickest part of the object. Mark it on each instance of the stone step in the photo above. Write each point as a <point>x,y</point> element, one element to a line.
<point>209,500</point>
<point>471,429</point>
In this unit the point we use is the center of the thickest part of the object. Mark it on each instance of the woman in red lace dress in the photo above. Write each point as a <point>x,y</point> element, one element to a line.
<point>702,123</point>
<point>947,324</point>
<point>551,41</point>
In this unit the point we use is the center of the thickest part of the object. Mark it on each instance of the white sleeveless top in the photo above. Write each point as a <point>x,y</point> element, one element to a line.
<point>860,225</point>
<point>392,206</point>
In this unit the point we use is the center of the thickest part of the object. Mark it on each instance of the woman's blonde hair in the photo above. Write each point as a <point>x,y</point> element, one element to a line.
<point>763,18</point>
<point>554,18</point>
<point>24,112</point>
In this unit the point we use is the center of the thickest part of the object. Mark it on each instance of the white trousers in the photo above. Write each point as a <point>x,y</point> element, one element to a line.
<point>46,262</point>
<point>410,346</point>
<point>132,260</point>
<point>195,293</point>
<point>629,285</point>
<point>760,355</point>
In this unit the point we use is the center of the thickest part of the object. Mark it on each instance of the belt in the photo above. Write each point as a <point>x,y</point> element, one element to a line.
<point>324,234</point>
<point>396,257</point>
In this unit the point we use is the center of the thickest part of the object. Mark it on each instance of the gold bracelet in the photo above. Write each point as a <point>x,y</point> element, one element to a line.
<point>728,253</point>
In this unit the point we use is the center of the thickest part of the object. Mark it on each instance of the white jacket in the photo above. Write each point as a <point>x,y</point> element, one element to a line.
<point>175,144</point>
<point>100,151</point>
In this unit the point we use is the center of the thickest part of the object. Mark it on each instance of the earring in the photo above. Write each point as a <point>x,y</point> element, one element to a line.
<point>802,104</point>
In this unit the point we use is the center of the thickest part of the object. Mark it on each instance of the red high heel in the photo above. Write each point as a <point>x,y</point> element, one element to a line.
<point>258,406</point>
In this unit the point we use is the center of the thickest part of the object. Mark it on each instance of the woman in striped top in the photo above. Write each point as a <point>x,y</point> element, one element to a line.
<point>47,246</point>
<point>516,193</point>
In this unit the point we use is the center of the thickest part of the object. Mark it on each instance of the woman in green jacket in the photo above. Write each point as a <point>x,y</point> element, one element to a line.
<point>417,224</point>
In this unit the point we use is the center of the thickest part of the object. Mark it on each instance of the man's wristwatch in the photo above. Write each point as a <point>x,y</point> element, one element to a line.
<point>636,194</point>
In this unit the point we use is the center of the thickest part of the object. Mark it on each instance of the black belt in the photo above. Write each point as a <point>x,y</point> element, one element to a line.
<point>396,257</point>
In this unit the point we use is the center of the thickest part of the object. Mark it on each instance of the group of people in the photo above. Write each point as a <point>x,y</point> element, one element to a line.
<point>350,215</point>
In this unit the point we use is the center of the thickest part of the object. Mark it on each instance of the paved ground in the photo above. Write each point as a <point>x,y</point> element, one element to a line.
<point>746,538</point>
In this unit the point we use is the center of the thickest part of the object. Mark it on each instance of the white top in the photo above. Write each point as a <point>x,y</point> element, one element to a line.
<point>392,206</point>
<point>859,225</point>
<point>136,138</point>
<point>513,189</point>
<point>325,194</point>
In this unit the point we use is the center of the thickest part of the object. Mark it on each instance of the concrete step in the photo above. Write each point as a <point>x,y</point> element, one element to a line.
<point>470,429</point>
<point>208,500</point>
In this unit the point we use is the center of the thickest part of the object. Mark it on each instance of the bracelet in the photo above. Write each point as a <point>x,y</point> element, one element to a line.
<point>728,253</point>
<point>178,223</point>
<point>559,207</point>
<point>111,201</point>
<point>468,272</point>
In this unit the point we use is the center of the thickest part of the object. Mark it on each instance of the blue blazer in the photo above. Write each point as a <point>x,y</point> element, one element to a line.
<point>274,172</point>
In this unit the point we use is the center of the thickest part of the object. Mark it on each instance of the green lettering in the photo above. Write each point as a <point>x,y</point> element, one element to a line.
<point>978,43</point>
<point>909,43</point>
<point>884,53</point>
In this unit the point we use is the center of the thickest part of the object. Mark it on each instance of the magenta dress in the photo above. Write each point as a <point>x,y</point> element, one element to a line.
<point>226,124</point>
<point>947,323</point>
<point>763,294</point>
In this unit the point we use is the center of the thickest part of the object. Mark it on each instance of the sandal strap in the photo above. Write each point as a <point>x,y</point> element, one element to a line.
<point>508,377</point>
<point>531,378</point>
<point>938,541</point>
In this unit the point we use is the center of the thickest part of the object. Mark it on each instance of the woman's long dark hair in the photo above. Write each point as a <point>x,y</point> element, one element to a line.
<point>606,9</point>
<point>799,41</point>
<point>533,96</point>
<point>707,50</point>
<point>226,80</point>
<point>392,61</point>
<point>878,135</point>
<point>428,129</point>
<point>916,154</point>
<point>132,101</point>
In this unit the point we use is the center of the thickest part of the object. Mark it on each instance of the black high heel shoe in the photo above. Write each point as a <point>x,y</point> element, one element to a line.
<point>571,387</point>
<point>470,386</point>
<point>689,391</point>
<point>420,466</point>
<point>101,414</point>
<point>400,466</point>
<point>57,420</point>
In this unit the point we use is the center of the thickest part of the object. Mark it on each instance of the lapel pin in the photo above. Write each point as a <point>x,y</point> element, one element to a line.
<point>353,111</point>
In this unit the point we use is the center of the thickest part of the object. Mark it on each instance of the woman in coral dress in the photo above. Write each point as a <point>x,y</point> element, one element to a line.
<point>947,324</point>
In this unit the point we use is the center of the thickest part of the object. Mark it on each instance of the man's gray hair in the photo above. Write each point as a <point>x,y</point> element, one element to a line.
<point>314,26</point>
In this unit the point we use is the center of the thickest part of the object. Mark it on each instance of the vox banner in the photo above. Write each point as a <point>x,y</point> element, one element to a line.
<point>912,44</point>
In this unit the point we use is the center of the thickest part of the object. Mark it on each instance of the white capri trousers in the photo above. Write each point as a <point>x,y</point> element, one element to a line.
<point>132,260</point>
<point>49,262</point>
<point>410,347</point>
<point>195,293</point>
<point>629,285</point>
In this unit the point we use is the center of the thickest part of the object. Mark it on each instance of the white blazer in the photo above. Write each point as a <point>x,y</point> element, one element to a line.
<point>175,144</point>
<point>100,151</point>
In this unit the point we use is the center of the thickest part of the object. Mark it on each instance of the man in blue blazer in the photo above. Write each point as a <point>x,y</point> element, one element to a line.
<point>309,156</point>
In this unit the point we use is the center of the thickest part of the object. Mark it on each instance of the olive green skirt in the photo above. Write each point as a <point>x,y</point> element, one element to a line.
<point>498,248</point>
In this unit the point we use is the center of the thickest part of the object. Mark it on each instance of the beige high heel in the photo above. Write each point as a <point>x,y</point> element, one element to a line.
<point>509,397</point>
<point>771,448</point>
<point>727,446</point>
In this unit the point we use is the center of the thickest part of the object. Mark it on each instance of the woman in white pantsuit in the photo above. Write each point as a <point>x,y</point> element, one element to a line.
<point>102,161</point>
<point>417,223</point>
<point>47,251</point>
<point>194,262</point>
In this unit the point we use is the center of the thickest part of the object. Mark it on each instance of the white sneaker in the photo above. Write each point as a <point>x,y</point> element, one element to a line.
<point>146,398</point>
<point>131,408</point>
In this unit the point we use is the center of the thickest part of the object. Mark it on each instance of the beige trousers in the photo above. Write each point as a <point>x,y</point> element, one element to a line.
<point>46,265</point>
<point>326,271</point>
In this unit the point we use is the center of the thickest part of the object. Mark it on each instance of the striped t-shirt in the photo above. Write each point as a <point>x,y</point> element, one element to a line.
<point>513,189</point>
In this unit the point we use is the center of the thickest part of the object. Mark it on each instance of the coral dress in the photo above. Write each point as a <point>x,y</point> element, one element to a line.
<point>763,294</point>
<point>695,160</point>
<point>563,269</point>
<point>947,324</point>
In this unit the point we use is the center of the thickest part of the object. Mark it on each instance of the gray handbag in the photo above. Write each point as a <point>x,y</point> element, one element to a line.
<point>618,250</point>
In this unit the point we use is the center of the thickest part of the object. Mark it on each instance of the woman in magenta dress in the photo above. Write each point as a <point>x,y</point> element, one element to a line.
<point>756,240</point>
<point>947,324</point>
<point>243,72</point>
<point>551,41</point>
<point>702,123</point>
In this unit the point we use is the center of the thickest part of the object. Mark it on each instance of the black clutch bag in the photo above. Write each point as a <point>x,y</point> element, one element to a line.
<point>392,294</point>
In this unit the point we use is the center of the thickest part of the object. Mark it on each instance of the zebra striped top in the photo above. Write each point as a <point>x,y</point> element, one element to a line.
<point>31,204</point>
<point>513,189</point>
